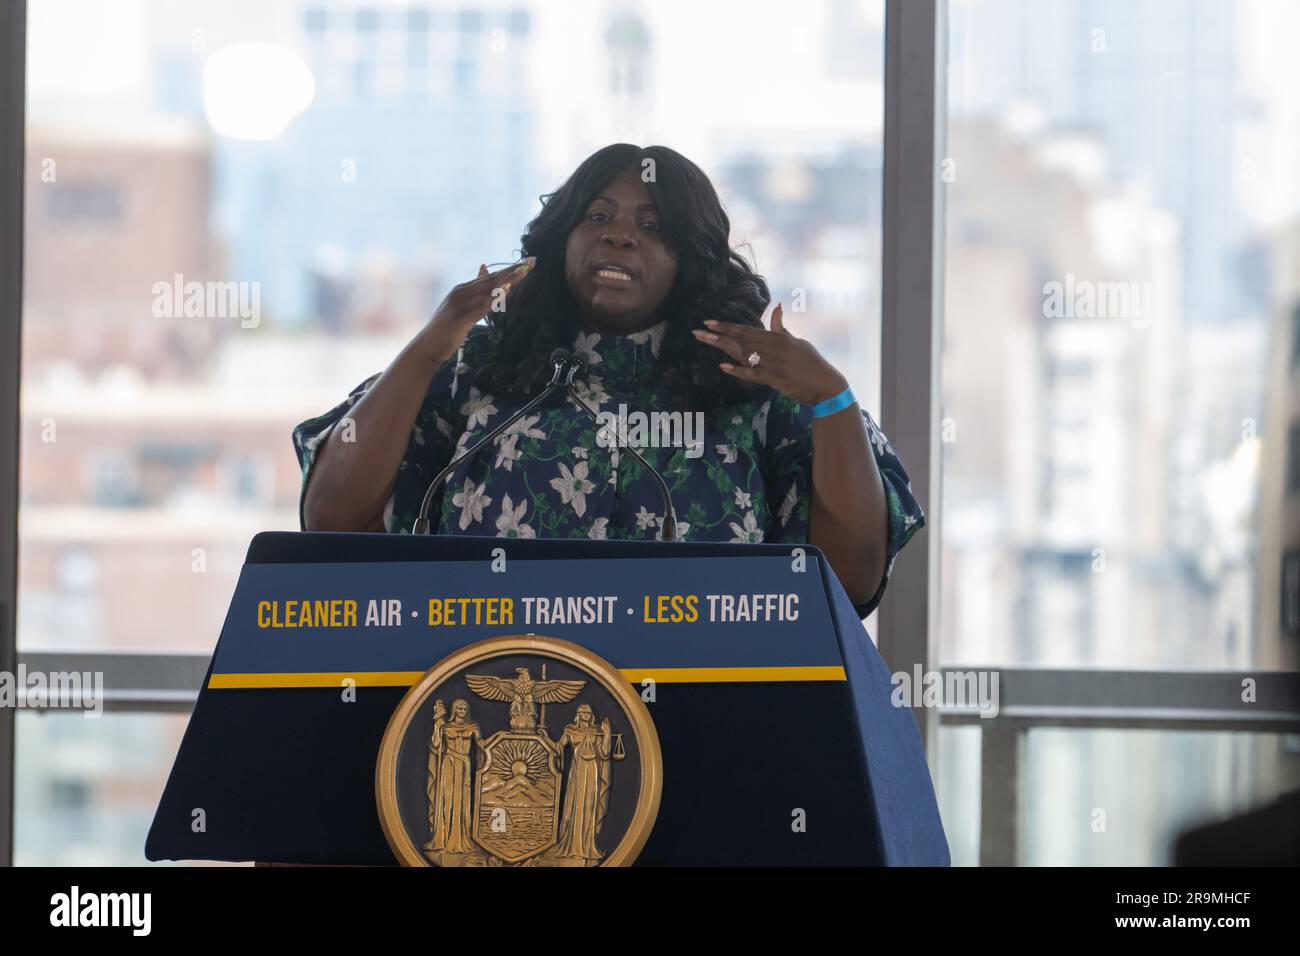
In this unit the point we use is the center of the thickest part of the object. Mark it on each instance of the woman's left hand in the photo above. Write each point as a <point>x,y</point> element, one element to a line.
<point>789,364</point>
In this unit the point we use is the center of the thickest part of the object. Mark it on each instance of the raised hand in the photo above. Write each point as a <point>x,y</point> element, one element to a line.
<point>789,364</point>
<point>463,306</point>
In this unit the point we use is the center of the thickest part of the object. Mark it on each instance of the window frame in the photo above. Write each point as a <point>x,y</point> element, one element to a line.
<point>13,83</point>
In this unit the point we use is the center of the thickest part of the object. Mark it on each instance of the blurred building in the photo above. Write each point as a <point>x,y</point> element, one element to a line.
<point>629,79</point>
<point>1279,485</point>
<point>1118,72</point>
<point>155,447</point>
<point>143,459</point>
<point>108,215</point>
<point>811,220</point>
<point>414,164</point>
<point>1058,419</point>
<point>1103,502</point>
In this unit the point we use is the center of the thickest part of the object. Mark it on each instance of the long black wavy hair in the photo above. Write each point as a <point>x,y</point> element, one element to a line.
<point>713,281</point>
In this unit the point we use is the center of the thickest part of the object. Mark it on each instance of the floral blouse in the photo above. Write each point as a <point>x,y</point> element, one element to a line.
<point>746,478</point>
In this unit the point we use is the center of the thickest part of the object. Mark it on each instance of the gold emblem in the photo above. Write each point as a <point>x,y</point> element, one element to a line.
<point>451,793</point>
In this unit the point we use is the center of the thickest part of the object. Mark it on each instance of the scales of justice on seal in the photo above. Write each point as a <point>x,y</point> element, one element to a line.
<point>326,734</point>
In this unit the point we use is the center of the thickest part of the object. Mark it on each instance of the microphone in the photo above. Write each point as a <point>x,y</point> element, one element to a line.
<point>577,364</point>
<point>562,372</point>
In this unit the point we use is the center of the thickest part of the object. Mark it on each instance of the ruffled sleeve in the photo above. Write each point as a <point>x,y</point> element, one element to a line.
<point>429,448</point>
<point>789,441</point>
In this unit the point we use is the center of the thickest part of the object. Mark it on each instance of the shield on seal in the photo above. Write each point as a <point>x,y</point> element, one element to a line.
<point>518,791</point>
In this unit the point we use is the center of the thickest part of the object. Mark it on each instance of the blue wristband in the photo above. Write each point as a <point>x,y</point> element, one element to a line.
<point>834,404</point>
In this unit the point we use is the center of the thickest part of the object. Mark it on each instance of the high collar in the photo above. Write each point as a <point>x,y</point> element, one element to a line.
<point>626,357</point>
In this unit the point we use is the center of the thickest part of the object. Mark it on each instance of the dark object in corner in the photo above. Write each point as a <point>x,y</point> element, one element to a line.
<point>1266,836</point>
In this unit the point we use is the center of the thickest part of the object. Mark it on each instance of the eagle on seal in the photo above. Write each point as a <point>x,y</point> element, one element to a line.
<point>524,694</point>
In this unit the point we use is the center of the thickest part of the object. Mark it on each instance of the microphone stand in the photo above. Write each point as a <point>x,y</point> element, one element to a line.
<point>561,364</point>
<point>565,368</point>
<point>670,515</point>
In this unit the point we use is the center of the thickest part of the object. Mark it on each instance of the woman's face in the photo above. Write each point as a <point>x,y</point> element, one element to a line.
<point>618,268</point>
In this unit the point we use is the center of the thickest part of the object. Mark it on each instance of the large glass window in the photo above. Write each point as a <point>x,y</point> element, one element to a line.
<point>1121,280</point>
<point>86,788</point>
<point>329,195</point>
<point>1122,223</point>
<point>1158,785</point>
<point>323,173</point>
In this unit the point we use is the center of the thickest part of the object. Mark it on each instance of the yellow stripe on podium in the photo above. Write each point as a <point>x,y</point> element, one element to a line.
<point>634,675</point>
<point>731,675</point>
<point>360,679</point>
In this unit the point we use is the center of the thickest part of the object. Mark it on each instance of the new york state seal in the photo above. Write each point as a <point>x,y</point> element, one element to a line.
<point>519,751</point>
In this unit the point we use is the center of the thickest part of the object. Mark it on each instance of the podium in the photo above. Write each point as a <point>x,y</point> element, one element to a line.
<point>780,744</point>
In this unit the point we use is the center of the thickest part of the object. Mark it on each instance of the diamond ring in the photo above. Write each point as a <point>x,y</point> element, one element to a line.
<point>753,360</point>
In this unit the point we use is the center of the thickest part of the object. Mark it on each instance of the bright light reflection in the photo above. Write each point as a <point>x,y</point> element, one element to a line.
<point>254,90</point>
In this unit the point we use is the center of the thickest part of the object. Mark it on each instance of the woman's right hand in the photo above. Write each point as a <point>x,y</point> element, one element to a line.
<point>464,305</point>
<point>350,484</point>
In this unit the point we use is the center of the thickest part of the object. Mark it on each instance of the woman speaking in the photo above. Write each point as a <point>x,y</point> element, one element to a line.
<point>628,264</point>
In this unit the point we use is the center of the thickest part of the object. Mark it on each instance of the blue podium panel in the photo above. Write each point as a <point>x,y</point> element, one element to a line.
<point>769,699</point>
